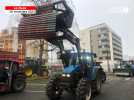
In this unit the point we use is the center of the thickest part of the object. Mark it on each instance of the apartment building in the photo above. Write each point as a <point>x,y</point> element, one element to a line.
<point>103,41</point>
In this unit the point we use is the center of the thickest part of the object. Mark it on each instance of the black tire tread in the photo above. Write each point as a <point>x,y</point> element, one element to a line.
<point>81,89</point>
<point>13,82</point>
<point>96,91</point>
<point>49,89</point>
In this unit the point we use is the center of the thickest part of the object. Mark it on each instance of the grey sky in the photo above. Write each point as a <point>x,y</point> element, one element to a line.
<point>118,14</point>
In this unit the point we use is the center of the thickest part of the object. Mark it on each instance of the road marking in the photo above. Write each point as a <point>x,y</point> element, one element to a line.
<point>36,84</point>
<point>127,79</point>
<point>32,91</point>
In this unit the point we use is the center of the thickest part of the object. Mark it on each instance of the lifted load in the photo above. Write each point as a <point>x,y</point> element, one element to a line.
<point>46,25</point>
<point>38,27</point>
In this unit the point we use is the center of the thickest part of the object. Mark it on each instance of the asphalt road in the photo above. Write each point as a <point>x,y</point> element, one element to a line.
<point>116,88</point>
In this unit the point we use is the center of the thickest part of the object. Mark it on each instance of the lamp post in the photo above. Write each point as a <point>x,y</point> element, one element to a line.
<point>108,65</point>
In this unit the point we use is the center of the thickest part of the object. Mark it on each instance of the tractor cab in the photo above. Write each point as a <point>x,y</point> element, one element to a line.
<point>71,61</point>
<point>70,57</point>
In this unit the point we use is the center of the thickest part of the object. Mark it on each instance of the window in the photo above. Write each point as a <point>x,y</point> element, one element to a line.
<point>99,46</point>
<point>107,46</point>
<point>103,29</point>
<point>1,46</point>
<point>103,35</point>
<point>107,57</point>
<point>104,40</point>
<point>99,42</point>
<point>103,46</point>
<point>105,52</point>
<point>100,58</point>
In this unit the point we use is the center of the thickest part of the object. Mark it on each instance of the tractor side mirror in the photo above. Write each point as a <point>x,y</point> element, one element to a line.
<point>95,56</point>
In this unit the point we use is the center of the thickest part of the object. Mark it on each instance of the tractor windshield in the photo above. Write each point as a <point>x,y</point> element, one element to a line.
<point>86,58</point>
<point>72,58</point>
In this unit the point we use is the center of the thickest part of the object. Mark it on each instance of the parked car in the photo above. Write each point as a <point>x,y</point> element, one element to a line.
<point>126,68</point>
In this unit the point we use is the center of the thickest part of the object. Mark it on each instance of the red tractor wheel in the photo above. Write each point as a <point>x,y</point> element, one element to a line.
<point>18,83</point>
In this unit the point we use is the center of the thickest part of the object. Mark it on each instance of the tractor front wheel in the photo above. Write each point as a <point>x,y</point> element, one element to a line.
<point>53,89</point>
<point>83,91</point>
<point>18,83</point>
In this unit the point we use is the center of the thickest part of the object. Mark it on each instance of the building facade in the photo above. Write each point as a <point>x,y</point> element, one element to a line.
<point>6,41</point>
<point>103,41</point>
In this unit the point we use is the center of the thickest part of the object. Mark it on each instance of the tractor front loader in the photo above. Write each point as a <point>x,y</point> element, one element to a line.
<point>80,76</point>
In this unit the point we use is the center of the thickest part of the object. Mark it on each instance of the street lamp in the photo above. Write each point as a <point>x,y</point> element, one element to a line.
<point>108,65</point>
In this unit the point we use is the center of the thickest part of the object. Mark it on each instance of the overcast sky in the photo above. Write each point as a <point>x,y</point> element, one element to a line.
<point>118,14</point>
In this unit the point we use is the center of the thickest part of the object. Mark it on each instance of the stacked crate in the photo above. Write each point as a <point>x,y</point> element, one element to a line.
<point>37,27</point>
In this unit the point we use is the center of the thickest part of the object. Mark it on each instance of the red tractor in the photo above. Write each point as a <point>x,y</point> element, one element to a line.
<point>12,76</point>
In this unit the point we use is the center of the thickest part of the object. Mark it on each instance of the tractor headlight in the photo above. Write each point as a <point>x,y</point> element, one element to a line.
<point>68,75</point>
<point>63,75</point>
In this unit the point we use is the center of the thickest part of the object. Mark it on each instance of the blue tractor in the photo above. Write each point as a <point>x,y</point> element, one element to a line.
<point>81,78</point>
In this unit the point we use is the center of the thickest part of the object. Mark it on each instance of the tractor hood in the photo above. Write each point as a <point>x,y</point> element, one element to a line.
<point>71,69</point>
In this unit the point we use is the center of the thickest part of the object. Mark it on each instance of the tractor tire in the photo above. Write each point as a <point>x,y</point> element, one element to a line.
<point>104,77</point>
<point>18,83</point>
<point>53,90</point>
<point>97,84</point>
<point>83,91</point>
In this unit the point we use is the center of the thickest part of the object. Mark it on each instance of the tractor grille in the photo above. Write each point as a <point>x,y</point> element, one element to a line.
<point>65,82</point>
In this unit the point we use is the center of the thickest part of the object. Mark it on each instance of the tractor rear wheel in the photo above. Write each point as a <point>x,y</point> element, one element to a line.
<point>104,78</point>
<point>18,83</point>
<point>53,89</point>
<point>83,91</point>
<point>97,84</point>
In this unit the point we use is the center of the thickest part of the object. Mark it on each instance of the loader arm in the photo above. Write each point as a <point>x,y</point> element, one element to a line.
<point>47,26</point>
